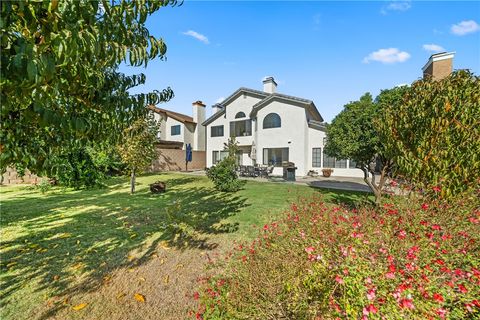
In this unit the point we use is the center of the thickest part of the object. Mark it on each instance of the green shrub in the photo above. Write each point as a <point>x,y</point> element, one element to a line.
<point>408,259</point>
<point>224,175</point>
<point>44,185</point>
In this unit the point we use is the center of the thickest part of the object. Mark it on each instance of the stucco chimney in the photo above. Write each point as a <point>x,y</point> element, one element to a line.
<point>439,66</point>
<point>269,85</point>
<point>199,116</point>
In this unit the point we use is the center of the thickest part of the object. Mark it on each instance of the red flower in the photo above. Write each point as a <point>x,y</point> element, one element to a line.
<point>436,227</point>
<point>265,227</point>
<point>437,189</point>
<point>369,309</point>
<point>462,288</point>
<point>196,295</point>
<point>424,206</point>
<point>339,279</point>
<point>438,297</point>
<point>402,234</point>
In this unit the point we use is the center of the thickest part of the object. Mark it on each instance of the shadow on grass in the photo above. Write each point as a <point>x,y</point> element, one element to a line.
<point>71,239</point>
<point>350,199</point>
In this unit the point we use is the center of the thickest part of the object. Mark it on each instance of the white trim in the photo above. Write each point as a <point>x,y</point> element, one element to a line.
<point>438,57</point>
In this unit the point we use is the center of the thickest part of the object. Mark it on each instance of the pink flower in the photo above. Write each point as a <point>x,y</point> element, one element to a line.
<point>406,304</point>
<point>309,249</point>
<point>371,294</point>
<point>437,189</point>
<point>265,227</point>
<point>339,279</point>
<point>436,227</point>
<point>441,312</point>
<point>390,275</point>
<point>402,234</point>
<point>196,295</point>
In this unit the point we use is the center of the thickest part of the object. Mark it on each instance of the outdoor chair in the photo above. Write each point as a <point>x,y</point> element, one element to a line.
<point>251,171</point>
<point>242,171</point>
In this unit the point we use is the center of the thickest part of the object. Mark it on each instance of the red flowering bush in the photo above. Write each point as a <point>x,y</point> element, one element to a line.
<point>407,259</point>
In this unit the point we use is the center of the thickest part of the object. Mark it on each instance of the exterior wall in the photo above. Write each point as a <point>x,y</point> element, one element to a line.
<point>11,177</point>
<point>243,103</point>
<point>174,160</point>
<point>189,134</point>
<point>316,138</point>
<point>168,125</point>
<point>162,134</point>
<point>292,134</point>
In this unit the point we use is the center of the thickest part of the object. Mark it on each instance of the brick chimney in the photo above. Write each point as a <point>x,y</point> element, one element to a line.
<point>439,66</point>
<point>269,85</point>
<point>199,116</point>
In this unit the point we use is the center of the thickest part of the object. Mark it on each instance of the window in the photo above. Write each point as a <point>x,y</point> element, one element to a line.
<point>175,130</point>
<point>216,131</point>
<point>241,128</point>
<point>316,157</point>
<point>275,156</point>
<point>352,164</point>
<point>328,162</point>
<point>340,163</point>
<point>272,120</point>
<point>218,156</point>
<point>240,115</point>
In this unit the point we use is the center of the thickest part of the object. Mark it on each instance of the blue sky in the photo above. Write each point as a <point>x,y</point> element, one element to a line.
<point>329,52</point>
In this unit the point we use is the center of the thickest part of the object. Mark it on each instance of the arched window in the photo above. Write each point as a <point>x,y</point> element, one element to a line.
<point>272,120</point>
<point>240,115</point>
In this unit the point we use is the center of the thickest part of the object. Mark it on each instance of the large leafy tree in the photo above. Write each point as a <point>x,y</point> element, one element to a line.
<point>353,135</point>
<point>434,132</point>
<point>60,83</point>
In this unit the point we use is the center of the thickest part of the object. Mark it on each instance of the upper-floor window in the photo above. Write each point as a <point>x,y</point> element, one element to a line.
<point>216,131</point>
<point>240,115</point>
<point>175,130</point>
<point>241,128</point>
<point>272,120</point>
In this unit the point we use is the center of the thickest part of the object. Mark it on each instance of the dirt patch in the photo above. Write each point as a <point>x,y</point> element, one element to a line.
<point>167,282</point>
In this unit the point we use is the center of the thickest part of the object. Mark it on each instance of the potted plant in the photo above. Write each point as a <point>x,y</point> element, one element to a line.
<point>327,172</point>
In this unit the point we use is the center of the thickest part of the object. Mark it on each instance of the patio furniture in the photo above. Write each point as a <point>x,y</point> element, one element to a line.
<point>242,171</point>
<point>251,171</point>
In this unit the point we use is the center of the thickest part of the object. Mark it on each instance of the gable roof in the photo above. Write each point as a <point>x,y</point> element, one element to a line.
<point>265,99</point>
<point>174,115</point>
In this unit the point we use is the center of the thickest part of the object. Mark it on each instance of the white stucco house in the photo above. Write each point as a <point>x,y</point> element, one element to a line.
<point>177,128</point>
<point>272,128</point>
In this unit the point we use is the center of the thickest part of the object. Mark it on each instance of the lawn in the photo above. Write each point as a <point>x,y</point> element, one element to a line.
<point>98,248</point>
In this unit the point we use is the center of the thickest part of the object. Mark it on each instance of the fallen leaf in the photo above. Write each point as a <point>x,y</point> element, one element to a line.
<point>121,295</point>
<point>166,279</point>
<point>139,297</point>
<point>141,279</point>
<point>162,261</point>
<point>79,306</point>
<point>56,277</point>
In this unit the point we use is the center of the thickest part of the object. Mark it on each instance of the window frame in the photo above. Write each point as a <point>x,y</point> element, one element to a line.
<point>266,159</point>
<point>217,127</point>
<point>240,115</point>
<point>317,158</point>
<point>273,126</point>
<point>247,131</point>
<point>172,133</point>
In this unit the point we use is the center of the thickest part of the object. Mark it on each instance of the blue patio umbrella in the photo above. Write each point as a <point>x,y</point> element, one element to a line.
<point>188,155</point>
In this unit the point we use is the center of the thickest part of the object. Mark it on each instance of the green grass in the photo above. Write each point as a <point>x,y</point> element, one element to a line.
<point>62,242</point>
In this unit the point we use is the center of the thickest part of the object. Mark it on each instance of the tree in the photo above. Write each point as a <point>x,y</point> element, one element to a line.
<point>353,135</point>
<point>224,175</point>
<point>137,148</point>
<point>59,80</point>
<point>434,133</point>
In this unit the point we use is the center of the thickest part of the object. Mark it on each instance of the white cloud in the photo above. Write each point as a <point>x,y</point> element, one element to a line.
<point>198,36</point>
<point>465,27</point>
<point>220,100</point>
<point>433,47</point>
<point>396,5</point>
<point>390,55</point>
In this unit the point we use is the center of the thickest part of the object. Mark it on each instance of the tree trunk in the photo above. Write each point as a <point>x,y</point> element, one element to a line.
<point>132,181</point>
<point>371,183</point>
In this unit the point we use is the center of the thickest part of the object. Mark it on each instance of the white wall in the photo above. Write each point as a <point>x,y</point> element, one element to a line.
<point>244,104</point>
<point>199,116</point>
<point>162,120</point>
<point>168,130</point>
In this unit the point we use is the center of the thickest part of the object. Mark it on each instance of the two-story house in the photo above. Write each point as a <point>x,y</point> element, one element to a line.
<point>271,128</point>
<point>180,129</point>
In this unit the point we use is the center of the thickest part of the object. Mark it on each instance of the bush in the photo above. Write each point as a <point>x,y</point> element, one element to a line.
<point>224,174</point>
<point>408,259</point>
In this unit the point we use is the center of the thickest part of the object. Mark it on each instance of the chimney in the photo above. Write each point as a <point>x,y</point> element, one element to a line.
<point>439,66</point>
<point>199,116</point>
<point>269,85</point>
<point>217,108</point>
